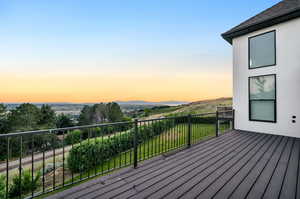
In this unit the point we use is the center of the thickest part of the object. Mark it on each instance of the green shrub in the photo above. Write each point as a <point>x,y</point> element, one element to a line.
<point>197,120</point>
<point>90,154</point>
<point>73,137</point>
<point>2,187</point>
<point>26,184</point>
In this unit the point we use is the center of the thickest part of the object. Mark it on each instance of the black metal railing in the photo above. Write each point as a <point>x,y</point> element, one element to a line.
<point>38,162</point>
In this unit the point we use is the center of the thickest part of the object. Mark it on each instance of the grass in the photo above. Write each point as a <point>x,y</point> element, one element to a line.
<point>200,107</point>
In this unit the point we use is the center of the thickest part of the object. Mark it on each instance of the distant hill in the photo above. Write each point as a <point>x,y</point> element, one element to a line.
<point>202,106</point>
<point>141,102</point>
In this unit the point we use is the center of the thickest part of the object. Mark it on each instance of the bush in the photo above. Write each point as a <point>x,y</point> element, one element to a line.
<point>197,120</point>
<point>2,187</point>
<point>89,154</point>
<point>73,137</point>
<point>26,184</point>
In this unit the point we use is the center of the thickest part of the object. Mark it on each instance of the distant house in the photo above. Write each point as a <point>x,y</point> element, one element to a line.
<point>266,70</point>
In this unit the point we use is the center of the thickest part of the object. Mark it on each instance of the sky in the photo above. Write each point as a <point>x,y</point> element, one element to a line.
<point>100,51</point>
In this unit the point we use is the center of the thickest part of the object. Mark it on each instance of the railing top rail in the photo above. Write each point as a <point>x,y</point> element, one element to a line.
<point>229,111</point>
<point>203,114</point>
<point>63,129</point>
<point>175,117</point>
<point>101,125</point>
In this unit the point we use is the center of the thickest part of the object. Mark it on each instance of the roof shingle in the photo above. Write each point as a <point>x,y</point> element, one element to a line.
<point>283,11</point>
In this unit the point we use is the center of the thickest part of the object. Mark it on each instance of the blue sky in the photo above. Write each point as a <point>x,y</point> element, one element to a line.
<point>67,39</point>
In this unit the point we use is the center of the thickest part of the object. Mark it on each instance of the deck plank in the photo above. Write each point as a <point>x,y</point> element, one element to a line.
<point>239,158</point>
<point>238,169</point>
<point>251,169</point>
<point>261,184</point>
<point>275,184</point>
<point>288,190</point>
<point>246,185</point>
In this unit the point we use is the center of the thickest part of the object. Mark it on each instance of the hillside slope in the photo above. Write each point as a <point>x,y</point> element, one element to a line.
<point>203,106</point>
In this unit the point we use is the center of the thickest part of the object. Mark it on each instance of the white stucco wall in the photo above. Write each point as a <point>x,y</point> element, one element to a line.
<point>288,81</point>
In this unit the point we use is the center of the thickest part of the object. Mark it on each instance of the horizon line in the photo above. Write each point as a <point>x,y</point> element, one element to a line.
<point>117,101</point>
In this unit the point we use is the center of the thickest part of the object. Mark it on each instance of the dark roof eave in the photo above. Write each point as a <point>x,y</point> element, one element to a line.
<point>228,36</point>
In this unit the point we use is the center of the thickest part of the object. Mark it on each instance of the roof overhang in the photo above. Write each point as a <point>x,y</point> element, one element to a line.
<point>228,36</point>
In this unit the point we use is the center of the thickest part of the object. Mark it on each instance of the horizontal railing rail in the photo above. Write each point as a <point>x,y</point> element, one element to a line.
<point>38,162</point>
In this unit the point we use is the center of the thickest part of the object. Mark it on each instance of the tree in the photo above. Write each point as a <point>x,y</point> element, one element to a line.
<point>114,112</point>
<point>24,117</point>
<point>85,116</point>
<point>63,121</point>
<point>4,125</point>
<point>147,112</point>
<point>2,110</point>
<point>99,113</point>
<point>47,116</point>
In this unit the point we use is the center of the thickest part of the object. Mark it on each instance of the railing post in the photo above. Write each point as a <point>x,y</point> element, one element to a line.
<point>189,133</point>
<point>135,144</point>
<point>233,119</point>
<point>217,123</point>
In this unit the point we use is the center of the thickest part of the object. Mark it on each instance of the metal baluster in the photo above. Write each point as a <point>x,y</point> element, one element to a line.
<point>120,151</point>
<point>32,164</point>
<point>163,136</point>
<point>7,166</point>
<point>72,145</point>
<point>54,166</point>
<point>108,158</point>
<point>217,124</point>
<point>189,131</point>
<point>144,142</point>
<point>169,134</point>
<point>114,156</point>
<point>128,149</point>
<point>44,145</point>
<point>135,144</point>
<point>148,139</point>
<point>20,166</point>
<point>63,158</point>
<point>95,155</point>
<point>80,154</point>
<point>173,133</point>
<point>131,150</point>
<point>89,163</point>
<point>101,155</point>
<point>183,132</point>
<point>140,142</point>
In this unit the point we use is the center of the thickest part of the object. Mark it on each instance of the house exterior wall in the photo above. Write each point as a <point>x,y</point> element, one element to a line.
<point>287,70</point>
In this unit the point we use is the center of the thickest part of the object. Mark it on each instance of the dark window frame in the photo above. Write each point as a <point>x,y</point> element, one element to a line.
<point>275,50</point>
<point>275,100</point>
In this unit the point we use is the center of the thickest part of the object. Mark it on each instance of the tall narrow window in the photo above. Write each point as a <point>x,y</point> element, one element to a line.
<point>262,50</point>
<point>262,98</point>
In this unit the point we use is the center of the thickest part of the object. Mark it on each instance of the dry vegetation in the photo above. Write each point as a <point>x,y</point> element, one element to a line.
<point>204,106</point>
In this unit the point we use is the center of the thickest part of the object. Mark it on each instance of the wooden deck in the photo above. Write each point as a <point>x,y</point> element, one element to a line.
<point>236,165</point>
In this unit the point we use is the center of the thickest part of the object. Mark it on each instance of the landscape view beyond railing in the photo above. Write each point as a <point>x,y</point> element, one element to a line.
<point>104,137</point>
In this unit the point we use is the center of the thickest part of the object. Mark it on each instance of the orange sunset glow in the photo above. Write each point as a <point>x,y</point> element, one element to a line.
<point>101,88</point>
